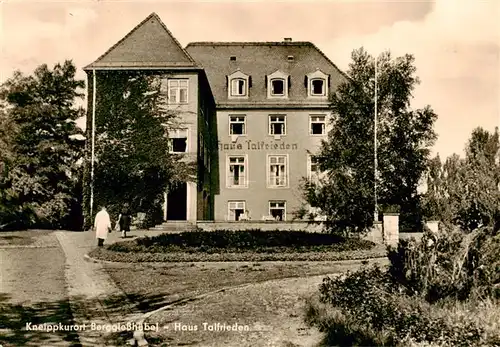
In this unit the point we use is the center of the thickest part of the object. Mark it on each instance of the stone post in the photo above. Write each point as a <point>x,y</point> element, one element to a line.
<point>433,226</point>
<point>391,229</point>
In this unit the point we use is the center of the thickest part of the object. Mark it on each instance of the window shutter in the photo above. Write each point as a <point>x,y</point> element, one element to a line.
<point>249,81</point>
<point>265,81</point>
<point>227,82</point>
<point>305,82</point>
<point>289,82</point>
<point>328,81</point>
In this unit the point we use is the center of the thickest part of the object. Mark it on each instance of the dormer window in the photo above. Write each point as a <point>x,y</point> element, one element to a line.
<point>318,87</point>
<point>277,85</point>
<point>238,87</point>
<point>238,84</point>
<point>317,84</point>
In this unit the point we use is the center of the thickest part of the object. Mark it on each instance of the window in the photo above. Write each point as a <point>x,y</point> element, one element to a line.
<point>178,91</point>
<point>317,84</point>
<point>277,171</point>
<point>317,125</point>
<point>277,209</point>
<point>277,125</point>
<point>237,125</point>
<point>238,87</point>
<point>318,87</point>
<point>237,172</point>
<point>313,170</point>
<point>312,166</point>
<point>235,209</point>
<point>278,87</point>
<point>178,141</point>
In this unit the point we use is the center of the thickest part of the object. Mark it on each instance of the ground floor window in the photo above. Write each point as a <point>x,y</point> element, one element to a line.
<point>277,209</point>
<point>235,210</point>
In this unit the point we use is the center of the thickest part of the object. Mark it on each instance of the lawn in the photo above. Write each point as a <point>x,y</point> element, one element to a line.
<point>153,285</point>
<point>250,293</point>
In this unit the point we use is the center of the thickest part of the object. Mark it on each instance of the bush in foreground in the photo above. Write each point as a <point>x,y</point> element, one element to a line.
<point>442,291</point>
<point>365,309</point>
<point>449,265</point>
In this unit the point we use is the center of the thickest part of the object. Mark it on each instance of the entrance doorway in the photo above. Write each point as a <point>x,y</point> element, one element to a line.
<point>177,203</point>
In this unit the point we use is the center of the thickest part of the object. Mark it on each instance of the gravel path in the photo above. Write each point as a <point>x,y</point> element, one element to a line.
<point>95,299</point>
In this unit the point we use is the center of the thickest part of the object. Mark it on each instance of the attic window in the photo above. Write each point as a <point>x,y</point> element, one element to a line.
<point>318,87</point>
<point>317,84</point>
<point>238,84</point>
<point>232,58</point>
<point>238,87</point>
<point>278,86</point>
<point>291,58</point>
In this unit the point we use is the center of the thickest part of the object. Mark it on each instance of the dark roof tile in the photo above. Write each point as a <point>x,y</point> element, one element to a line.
<point>259,59</point>
<point>149,44</point>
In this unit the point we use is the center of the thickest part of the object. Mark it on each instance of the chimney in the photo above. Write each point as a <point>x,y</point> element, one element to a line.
<point>287,39</point>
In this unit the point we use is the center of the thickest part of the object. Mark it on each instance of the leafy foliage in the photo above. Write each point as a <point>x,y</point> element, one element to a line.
<point>132,159</point>
<point>346,195</point>
<point>243,240</point>
<point>441,290</point>
<point>369,310</point>
<point>40,185</point>
<point>466,191</point>
<point>448,264</point>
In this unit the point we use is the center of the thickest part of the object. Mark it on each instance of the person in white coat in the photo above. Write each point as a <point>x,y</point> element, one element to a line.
<point>102,226</point>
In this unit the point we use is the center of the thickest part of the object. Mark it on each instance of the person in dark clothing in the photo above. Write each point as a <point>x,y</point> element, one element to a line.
<point>124,220</point>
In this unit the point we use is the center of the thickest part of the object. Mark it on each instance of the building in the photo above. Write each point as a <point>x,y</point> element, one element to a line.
<point>257,112</point>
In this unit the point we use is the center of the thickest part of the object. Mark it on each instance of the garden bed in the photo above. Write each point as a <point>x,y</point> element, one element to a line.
<point>248,245</point>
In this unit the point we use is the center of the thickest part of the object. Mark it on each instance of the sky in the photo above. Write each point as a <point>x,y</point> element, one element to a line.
<point>456,43</point>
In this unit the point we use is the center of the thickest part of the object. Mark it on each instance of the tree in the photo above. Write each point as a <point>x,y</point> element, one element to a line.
<point>45,146</point>
<point>132,159</point>
<point>347,156</point>
<point>469,188</point>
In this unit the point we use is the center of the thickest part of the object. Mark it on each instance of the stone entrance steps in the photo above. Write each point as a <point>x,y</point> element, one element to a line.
<point>174,226</point>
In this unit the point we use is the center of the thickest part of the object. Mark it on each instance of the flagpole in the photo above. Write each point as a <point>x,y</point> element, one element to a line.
<point>93,145</point>
<point>375,159</point>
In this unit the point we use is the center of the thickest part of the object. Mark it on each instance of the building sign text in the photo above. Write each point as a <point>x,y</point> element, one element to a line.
<point>258,146</point>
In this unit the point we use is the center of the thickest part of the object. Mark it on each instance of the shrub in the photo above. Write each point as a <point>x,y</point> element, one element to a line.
<point>448,264</point>
<point>367,308</point>
<point>243,240</point>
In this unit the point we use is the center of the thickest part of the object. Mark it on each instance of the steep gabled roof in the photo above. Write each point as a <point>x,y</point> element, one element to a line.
<point>260,59</point>
<point>149,45</point>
